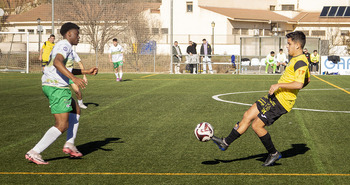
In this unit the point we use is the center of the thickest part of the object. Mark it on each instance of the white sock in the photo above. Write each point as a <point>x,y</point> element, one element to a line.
<point>50,136</point>
<point>80,101</point>
<point>121,75</point>
<point>116,75</point>
<point>73,127</point>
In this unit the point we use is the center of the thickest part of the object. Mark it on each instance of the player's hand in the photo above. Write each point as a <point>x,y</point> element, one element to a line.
<point>85,79</point>
<point>273,88</point>
<point>92,71</point>
<point>79,82</point>
<point>40,58</point>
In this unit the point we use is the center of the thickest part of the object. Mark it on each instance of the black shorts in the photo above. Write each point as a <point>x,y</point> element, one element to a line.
<point>270,109</point>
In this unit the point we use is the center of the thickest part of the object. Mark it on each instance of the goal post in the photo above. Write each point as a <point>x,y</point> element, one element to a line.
<point>14,51</point>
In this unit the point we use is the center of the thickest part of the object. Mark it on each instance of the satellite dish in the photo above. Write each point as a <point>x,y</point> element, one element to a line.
<point>1,12</point>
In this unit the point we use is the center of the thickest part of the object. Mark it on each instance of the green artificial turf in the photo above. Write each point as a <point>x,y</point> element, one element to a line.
<point>140,131</point>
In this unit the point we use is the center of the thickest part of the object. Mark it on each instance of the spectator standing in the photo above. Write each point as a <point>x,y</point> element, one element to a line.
<point>205,51</point>
<point>307,54</point>
<point>177,56</point>
<point>315,59</point>
<point>192,56</point>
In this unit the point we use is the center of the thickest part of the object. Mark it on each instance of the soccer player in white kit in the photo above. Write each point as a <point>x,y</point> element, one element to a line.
<point>116,57</point>
<point>55,85</point>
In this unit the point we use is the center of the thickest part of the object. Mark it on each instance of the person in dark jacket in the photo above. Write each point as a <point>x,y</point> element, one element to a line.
<point>205,51</point>
<point>177,57</point>
<point>192,57</point>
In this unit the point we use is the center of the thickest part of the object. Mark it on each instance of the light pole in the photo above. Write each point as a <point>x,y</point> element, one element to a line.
<point>212,36</point>
<point>39,30</point>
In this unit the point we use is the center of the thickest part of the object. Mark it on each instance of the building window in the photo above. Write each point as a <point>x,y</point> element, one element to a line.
<point>31,31</point>
<point>42,31</point>
<point>244,31</point>
<point>189,6</point>
<point>344,33</point>
<point>288,7</point>
<point>155,30</point>
<point>165,31</point>
<point>236,31</point>
<point>21,30</point>
<point>272,7</point>
<point>267,32</point>
<point>318,33</point>
<point>49,31</point>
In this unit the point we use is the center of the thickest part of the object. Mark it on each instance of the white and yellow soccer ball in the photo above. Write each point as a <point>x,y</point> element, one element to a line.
<point>204,131</point>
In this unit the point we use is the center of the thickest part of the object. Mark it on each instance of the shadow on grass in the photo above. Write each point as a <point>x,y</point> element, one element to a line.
<point>297,149</point>
<point>88,104</point>
<point>90,147</point>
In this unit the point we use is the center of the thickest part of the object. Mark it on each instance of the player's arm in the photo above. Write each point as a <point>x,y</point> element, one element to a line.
<point>292,85</point>
<point>301,78</point>
<point>41,54</point>
<point>58,63</point>
<point>82,68</point>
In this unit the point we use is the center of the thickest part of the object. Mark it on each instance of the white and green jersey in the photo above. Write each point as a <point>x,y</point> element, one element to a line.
<point>51,76</point>
<point>71,59</point>
<point>270,59</point>
<point>116,52</point>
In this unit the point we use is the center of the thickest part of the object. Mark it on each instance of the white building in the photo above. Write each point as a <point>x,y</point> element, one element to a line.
<point>192,20</point>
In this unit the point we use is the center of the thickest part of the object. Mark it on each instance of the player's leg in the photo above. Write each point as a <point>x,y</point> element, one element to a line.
<point>210,66</point>
<point>69,147</point>
<point>204,65</point>
<point>267,67</point>
<point>61,124</point>
<point>60,99</point>
<point>115,66</point>
<point>259,128</point>
<point>120,70</point>
<point>278,66</point>
<point>239,129</point>
<point>316,66</point>
<point>274,68</point>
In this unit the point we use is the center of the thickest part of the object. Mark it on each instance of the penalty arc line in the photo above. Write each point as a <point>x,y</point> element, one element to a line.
<point>216,97</point>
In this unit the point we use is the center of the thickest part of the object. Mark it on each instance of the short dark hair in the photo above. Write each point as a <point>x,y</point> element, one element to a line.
<point>115,40</point>
<point>281,49</point>
<point>272,52</point>
<point>297,36</point>
<point>204,40</point>
<point>52,35</point>
<point>315,50</point>
<point>68,26</point>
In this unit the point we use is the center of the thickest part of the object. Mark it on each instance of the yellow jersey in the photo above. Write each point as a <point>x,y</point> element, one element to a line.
<point>315,59</point>
<point>297,70</point>
<point>47,48</point>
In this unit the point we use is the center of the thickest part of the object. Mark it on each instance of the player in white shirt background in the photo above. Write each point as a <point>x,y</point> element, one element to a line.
<point>116,57</point>
<point>281,60</point>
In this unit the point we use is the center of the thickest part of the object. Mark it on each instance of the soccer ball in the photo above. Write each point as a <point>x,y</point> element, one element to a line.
<point>204,131</point>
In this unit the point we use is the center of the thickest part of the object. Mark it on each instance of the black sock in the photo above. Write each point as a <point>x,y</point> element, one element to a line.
<point>233,136</point>
<point>267,142</point>
<point>278,67</point>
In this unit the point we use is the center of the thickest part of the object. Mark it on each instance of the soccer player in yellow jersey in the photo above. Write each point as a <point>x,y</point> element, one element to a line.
<point>45,51</point>
<point>278,101</point>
